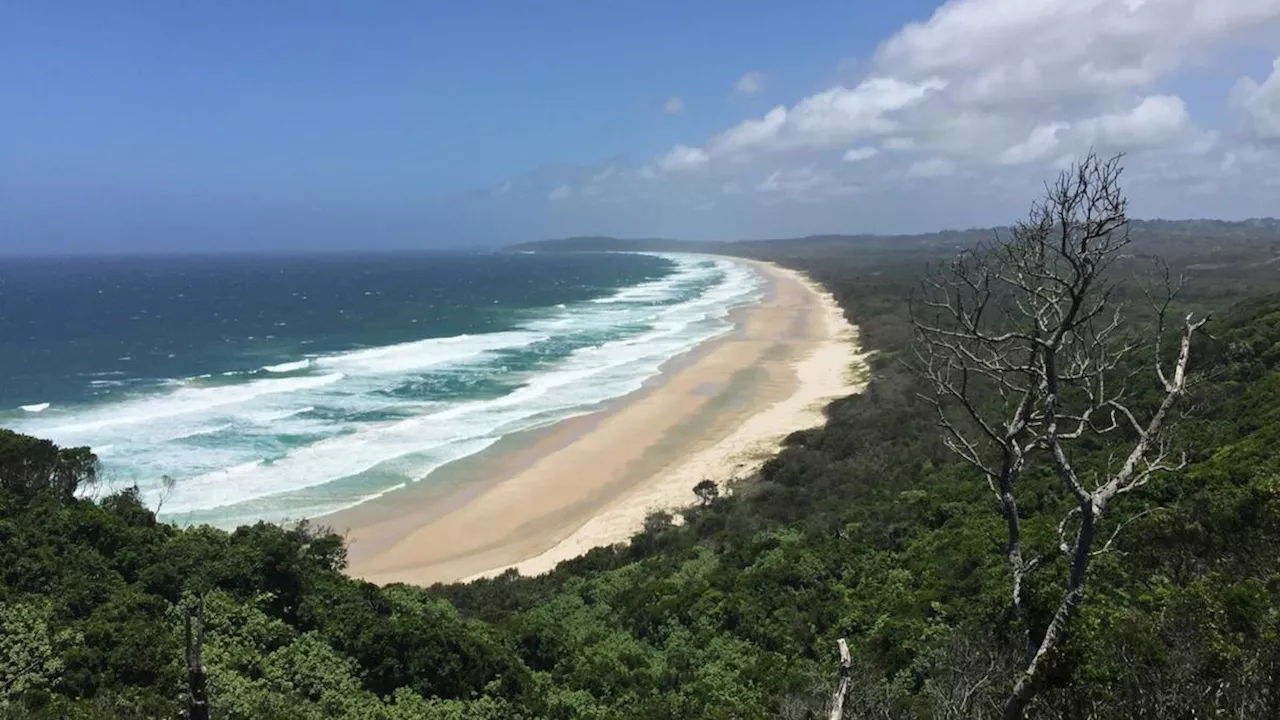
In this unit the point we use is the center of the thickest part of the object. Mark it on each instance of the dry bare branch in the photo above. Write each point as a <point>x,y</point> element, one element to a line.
<point>1023,345</point>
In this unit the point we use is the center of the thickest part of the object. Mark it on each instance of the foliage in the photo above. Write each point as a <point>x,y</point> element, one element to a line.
<point>29,466</point>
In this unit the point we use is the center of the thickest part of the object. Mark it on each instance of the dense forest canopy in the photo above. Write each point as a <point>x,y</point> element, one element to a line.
<point>867,529</point>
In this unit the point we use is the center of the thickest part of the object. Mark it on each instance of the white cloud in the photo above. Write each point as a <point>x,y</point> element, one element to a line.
<point>751,133</point>
<point>1030,80</point>
<point>673,106</point>
<point>1156,121</point>
<point>860,154</point>
<point>1011,90</point>
<point>837,115</point>
<point>827,119</point>
<point>682,158</point>
<point>1042,52</point>
<point>1260,104</point>
<point>806,184</point>
<point>1042,141</point>
<point>750,83</point>
<point>1017,81</point>
<point>931,168</point>
<point>560,193</point>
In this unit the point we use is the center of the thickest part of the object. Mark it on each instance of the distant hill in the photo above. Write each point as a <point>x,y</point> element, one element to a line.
<point>596,243</point>
<point>800,247</point>
<point>1169,237</point>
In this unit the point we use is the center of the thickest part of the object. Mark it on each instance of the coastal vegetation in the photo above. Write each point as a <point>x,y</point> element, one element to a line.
<point>869,529</point>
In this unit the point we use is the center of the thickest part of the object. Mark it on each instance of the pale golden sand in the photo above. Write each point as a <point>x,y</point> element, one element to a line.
<point>590,481</point>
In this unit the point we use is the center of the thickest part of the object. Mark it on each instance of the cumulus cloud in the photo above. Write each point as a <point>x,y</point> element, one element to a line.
<point>750,83</point>
<point>1156,121</point>
<point>1030,78</point>
<point>673,106</point>
<point>1042,52</point>
<point>560,193</point>
<point>1260,105</point>
<point>1010,83</point>
<point>828,119</point>
<point>860,154</point>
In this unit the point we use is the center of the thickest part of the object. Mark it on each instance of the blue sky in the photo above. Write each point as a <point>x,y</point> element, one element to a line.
<point>249,125</point>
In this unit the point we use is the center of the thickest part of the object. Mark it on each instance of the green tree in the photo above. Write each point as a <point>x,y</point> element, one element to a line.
<point>30,465</point>
<point>707,491</point>
<point>30,653</point>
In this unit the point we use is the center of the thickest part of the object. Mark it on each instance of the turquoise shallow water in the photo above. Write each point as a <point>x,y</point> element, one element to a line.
<point>286,387</point>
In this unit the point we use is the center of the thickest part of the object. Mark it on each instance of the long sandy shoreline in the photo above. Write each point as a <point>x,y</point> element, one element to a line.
<point>590,481</point>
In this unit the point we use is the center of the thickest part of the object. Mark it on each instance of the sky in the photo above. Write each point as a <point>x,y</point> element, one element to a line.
<point>230,126</point>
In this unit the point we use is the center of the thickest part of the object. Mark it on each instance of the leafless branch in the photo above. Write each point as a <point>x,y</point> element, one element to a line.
<point>1106,547</point>
<point>1023,344</point>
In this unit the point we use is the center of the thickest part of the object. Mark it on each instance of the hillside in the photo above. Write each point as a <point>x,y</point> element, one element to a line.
<point>867,529</point>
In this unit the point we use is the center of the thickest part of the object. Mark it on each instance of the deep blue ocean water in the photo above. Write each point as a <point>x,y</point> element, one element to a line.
<point>281,387</point>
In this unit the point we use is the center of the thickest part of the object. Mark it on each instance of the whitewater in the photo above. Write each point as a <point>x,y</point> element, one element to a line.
<point>310,435</point>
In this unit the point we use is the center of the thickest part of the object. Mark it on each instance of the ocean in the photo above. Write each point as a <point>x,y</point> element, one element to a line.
<point>277,387</point>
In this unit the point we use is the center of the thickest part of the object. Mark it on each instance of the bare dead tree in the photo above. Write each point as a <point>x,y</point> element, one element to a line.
<point>1022,344</point>
<point>846,679</point>
<point>167,484</point>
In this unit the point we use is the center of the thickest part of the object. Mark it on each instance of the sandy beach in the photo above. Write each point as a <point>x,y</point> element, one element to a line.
<point>533,501</point>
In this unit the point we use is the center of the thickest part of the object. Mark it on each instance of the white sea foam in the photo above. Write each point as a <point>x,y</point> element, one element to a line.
<point>288,367</point>
<point>186,400</point>
<point>421,354</point>
<point>38,407</point>
<point>270,418</point>
<point>332,432</point>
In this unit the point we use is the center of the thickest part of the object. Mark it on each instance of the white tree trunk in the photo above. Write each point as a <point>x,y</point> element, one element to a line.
<point>846,681</point>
